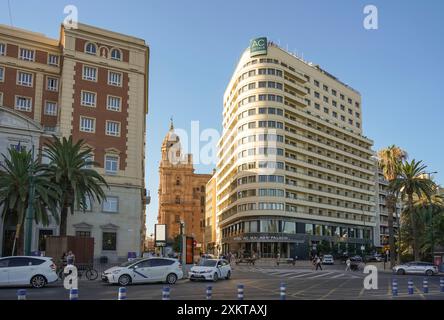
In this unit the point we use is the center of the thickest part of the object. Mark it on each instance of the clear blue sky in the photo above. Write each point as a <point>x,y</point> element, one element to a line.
<point>195,46</point>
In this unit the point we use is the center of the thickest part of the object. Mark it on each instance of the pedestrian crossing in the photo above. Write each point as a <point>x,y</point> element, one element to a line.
<point>305,273</point>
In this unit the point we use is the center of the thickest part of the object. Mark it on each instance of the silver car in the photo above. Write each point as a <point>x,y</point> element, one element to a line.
<point>416,267</point>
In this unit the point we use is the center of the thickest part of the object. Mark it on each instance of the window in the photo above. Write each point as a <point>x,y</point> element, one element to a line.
<point>50,108</point>
<point>88,160</point>
<point>1,98</point>
<point>91,48</point>
<point>109,241</point>
<point>116,55</point>
<point>24,79</point>
<point>52,84</point>
<point>113,103</point>
<point>88,99</point>
<point>2,49</point>
<point>114,78</point>
<point>316,83</point>
<point>2,74</point>
<point>113,128</point>
<point>23,103</point>
<point>111,164</point>
<point>89,73</point>
<point>53,60</point>
<point>83,234</point>
<point>111,204</point>
<point>26,54</point>
<point>87,124</point>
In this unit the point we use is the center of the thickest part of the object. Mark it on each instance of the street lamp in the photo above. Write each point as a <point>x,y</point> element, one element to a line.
<point>432,245</point>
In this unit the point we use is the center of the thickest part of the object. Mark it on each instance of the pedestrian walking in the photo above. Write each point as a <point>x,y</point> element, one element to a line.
<point>348,265</point>
<point>318,263</point>
<point>70,258</point>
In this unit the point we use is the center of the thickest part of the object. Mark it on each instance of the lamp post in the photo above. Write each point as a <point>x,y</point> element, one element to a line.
<point>432,245</point>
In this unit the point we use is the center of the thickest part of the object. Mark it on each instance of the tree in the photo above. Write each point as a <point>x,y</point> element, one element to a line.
<point>410,182</point>
<point>430,217</point>
<point>16,172</point>
<point>68,168</point>
<point>388,160</point>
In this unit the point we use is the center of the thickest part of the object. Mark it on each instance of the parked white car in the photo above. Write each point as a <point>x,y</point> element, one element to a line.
<point>416,267</point>
<point>211,269</point>
<point>145,270</point>
<point>328,259</point>
<point>27,271</point>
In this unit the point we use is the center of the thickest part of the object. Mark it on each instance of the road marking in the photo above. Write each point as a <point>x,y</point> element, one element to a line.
<point>333,290</point>
<point>300,275</point>
<point>320,275</point>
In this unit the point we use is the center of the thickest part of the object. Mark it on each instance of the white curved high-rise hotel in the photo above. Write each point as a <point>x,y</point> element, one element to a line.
<point>295,171</point>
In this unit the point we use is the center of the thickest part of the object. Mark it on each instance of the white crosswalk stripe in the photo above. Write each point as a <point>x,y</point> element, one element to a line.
<point>305,273</point>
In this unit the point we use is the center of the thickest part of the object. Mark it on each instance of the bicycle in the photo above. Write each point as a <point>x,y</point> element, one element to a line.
<point>90,273</point>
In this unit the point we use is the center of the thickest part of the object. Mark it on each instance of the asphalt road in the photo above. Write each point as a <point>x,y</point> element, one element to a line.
<point>259,283</point>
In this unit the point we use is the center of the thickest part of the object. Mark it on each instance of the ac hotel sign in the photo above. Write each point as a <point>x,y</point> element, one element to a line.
<point>258,46</point>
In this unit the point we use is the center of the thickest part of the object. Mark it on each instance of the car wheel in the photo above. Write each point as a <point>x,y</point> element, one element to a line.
<point>429,273</point>
<point>38,281</point>
<point>215,277</point>
<point>401,271</point>
<point>124,280</point>
<point>228,275</point>
<point>171,278</point>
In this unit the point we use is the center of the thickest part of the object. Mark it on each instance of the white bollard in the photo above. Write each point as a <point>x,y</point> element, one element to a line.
<point>283,293</point>
<point>21,294</point>
<point>74,294</point>
<point>166,293</point>
<point>240,292</point>
<point>122,293</point>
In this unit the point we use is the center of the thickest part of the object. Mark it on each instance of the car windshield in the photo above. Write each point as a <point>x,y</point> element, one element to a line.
<point>207,263</point>
<point>128,263</point>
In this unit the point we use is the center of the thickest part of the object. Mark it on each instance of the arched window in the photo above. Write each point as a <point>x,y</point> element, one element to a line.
<point>116,55</point>
<point>177,200</point>
<point>91,48</point>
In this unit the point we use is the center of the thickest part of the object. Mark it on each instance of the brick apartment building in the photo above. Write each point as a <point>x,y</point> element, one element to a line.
<point>91,84</point>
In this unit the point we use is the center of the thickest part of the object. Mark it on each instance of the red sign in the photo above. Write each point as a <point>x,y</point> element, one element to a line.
<point>189,250</point>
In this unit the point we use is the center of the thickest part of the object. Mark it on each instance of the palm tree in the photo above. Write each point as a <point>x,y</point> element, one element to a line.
<point>430,212</point>
<point>68,168</point>
<point>388,160</point>
<point>16,172</point>
<point>410,182</point>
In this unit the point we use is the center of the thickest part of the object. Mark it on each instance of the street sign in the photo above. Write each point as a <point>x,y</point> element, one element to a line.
<point>160,232</point>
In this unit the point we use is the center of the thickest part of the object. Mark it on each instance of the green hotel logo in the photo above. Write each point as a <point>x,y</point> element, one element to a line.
<point>258,46</point>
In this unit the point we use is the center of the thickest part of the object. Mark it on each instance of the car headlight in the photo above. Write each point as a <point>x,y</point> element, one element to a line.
<point>116,271</point>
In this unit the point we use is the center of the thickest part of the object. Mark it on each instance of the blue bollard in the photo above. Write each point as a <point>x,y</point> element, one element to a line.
<point>21,294</point>
<point>410,286</point>
<point>425,286</point>
<point>441,284</point>
<point>240,292</point>
<point>122,293</point>
<point>166,293</point>
<point>395,287</point>
<point>74,294</point>
<point>283,293</point>
<point>209,292</point>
